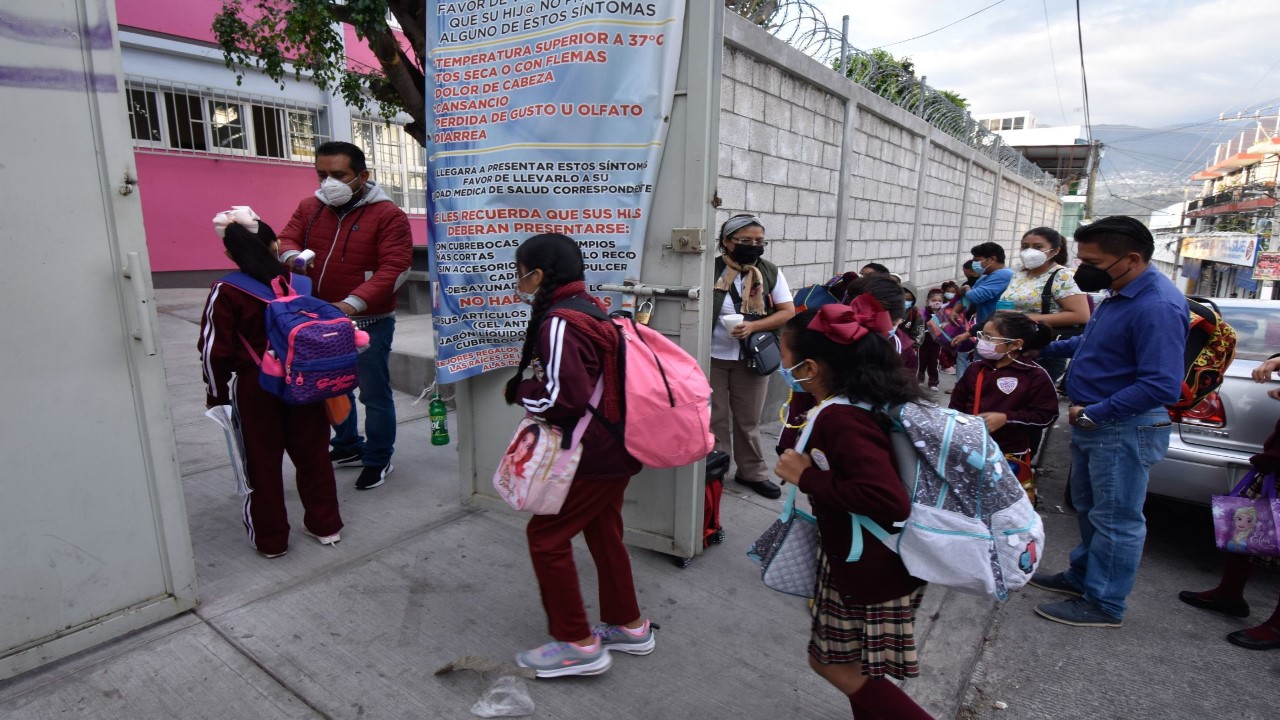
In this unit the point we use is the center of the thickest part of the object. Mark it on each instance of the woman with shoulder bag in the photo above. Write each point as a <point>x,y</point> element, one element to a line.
<point>1045,289</point>
<point>751,296</point>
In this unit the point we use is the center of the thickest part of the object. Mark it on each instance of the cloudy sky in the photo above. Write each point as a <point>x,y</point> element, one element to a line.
<point>1150,62</point>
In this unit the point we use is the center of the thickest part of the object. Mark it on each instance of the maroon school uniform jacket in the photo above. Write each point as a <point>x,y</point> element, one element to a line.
<point>1022,390</point>
<point>906,347</point>
<point>863,479</point>
<point>229,314</point>
<point>560,393</point>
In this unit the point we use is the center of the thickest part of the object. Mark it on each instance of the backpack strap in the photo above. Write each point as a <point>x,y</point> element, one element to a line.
<point>1046,295</point>
<point>296,285</point>
<point>582,305</point>
<point>246,283</point>
<point>977,391</point>
<point>586,307</point>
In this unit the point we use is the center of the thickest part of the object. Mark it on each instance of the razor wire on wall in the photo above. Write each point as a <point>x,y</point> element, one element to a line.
<point>800,24</point>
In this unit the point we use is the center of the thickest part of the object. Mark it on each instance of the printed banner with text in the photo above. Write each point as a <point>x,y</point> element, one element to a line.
<point>546,116</point>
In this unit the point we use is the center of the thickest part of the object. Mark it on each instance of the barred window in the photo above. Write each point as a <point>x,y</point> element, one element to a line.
<point>396,162</point>
<point>172,117</point>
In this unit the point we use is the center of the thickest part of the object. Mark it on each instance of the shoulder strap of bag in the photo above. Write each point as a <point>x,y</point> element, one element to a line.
<point>571,441</point>
<point>247,284</point>
<point>977,391</point>
<point>1046,295</point>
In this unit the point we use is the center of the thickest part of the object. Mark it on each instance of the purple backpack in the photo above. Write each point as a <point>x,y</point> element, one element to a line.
<point>311,345</point>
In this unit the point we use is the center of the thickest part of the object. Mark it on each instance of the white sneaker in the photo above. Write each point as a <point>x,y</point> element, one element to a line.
<point>333,539</point>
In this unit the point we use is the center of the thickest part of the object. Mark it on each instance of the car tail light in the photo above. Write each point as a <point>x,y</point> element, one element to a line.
<point>1208,413</point>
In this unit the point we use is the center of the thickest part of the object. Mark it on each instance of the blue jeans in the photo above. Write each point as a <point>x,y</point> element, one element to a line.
<point>1109,472</point>
<point>375,395</point>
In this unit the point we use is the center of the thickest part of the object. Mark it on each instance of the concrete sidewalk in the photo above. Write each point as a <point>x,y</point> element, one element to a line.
<point>419,579</point>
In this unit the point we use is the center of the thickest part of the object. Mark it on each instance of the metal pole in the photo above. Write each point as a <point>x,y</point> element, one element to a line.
<point>842,184</point>
<point>1095,158</point>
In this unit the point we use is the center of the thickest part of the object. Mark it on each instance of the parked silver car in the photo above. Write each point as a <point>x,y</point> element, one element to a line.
<point>1209,450</point>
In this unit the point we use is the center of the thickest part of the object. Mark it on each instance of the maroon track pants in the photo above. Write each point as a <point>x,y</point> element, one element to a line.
<point>272,428</point>
<point>593,508</point>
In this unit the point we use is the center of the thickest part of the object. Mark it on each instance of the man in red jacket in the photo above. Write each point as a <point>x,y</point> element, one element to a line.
<point>363,247</point>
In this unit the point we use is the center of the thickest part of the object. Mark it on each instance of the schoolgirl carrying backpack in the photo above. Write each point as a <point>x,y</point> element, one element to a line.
<point>311,351</point>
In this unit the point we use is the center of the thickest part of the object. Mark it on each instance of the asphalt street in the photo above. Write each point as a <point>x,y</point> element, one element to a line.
<point>1170,661</point>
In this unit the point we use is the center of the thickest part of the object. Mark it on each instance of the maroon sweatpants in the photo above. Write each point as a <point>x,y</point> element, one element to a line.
<point>272,428</point>
<point>593,508</point>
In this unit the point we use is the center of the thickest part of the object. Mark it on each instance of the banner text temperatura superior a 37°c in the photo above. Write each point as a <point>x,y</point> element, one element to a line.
<point>545,116</point>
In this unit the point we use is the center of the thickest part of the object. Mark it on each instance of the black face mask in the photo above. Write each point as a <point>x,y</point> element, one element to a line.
<point>746,254</point>
<point>1094,279</point>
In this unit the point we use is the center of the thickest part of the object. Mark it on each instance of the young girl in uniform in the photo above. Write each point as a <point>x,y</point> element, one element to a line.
<point>930,350</point>
<point>1016,398</point>
<point>570,351</point>
<point>863,611</point>
<point>233,319</point>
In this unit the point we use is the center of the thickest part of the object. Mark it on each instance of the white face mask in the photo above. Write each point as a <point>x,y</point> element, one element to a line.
<point>1033,258</point>
<point>526,298</point>
<point>335,193</point>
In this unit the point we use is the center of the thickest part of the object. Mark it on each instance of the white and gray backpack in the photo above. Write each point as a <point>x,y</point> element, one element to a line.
<point>971,526</point>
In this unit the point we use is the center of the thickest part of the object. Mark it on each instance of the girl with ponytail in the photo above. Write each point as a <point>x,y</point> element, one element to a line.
<point>569,353</point>
<point>232,331</point>
<point>863,611</point>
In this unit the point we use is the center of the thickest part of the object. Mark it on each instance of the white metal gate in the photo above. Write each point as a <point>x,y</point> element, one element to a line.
<point>93,528</point>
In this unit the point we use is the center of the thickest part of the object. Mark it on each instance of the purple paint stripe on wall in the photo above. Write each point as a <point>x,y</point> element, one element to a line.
<point>55,79</point>
<point>44,32</point>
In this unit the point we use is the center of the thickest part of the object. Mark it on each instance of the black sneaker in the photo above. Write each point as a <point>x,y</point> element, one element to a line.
<point>372,476</point>
<point>345,458</point>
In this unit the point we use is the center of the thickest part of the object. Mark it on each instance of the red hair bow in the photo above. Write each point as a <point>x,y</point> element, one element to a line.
<point>846,324</point>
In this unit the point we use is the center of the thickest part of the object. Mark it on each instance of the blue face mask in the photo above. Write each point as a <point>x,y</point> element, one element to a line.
<point>791,380</point>
<point>910,304</point>
<point>977,266</point>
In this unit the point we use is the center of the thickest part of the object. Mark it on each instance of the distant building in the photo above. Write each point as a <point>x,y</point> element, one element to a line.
<point>1231,223</point>
<point>1061,151</point>
<point>202,142</point>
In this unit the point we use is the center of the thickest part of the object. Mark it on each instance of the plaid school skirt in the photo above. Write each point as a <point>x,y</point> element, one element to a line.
<point>880,636</point>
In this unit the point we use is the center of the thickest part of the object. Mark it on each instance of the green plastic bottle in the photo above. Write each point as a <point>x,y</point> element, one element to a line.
<point>439,420</point>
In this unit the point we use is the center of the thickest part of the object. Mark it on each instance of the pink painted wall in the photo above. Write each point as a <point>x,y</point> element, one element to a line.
<point>181,194</point>
<point>182,18</point>
<point>359,56</point>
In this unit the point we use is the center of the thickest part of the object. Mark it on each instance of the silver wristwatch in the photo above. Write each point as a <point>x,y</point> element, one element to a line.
<point>1083,421</point>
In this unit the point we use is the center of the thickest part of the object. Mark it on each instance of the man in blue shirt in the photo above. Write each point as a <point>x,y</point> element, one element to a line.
<point>980,300</point>
<point>1125,368</point>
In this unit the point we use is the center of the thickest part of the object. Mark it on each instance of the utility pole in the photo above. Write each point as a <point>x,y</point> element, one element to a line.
<point>1095,157</point>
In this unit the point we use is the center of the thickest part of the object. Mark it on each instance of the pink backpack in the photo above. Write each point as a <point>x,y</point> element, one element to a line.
<point>666,397</point>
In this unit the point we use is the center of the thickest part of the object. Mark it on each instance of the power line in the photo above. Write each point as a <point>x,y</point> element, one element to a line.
<point>1054,60</point>
<point>944,27</point>
<point>1084,78</point>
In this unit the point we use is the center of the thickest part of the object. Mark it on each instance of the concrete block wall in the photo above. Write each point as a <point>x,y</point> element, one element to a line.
<point>913,197</point>
<point>779,159</point>
<point>882,190</point>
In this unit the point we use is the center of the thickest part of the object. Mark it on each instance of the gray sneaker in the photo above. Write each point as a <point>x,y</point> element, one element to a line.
<point>619,639</point>
<point>558,659</point>
<point>1078,612</point>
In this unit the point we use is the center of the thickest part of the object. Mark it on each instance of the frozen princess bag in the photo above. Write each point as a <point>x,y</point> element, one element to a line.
<point>1248,525</point>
